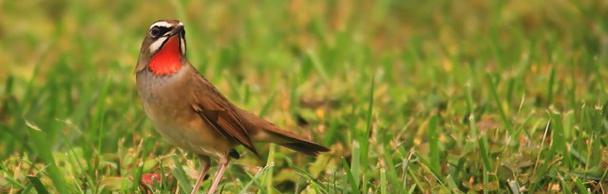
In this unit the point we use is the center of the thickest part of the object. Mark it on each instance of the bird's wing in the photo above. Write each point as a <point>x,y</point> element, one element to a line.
<point>219,113</point>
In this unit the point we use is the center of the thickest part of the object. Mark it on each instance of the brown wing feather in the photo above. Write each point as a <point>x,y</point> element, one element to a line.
<point>219,113</point>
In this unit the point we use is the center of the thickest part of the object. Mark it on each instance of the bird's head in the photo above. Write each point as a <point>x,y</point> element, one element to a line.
<point>163,50</point>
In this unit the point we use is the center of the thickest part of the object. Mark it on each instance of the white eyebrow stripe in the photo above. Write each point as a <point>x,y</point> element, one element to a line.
<point>156,44</point>
<point>162,24</point>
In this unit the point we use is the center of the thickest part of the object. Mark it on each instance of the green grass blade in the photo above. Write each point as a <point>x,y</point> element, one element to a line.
<point>390,167</point>
<point>354,184</point>
<point>434,160</point>
<point>364,137</point>
<point>182,180</point>
<point>383,182</point>
<point>264,172</point>
<point>355,166</point>
<point>40,188</point>
<point>503,115</point>
<point>550,86</point>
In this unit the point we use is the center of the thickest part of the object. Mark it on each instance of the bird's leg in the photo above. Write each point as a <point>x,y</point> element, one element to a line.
<point>218,176</point>
<point>205,164</point>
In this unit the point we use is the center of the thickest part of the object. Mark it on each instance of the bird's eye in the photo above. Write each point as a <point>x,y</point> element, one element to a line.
<point>158,31</point>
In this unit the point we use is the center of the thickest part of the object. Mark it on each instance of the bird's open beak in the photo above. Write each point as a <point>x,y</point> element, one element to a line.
<point>178,30</point>
<point>181,36</point>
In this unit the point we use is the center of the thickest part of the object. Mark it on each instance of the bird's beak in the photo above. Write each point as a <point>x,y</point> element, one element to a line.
<point>178,30</point>
<point>181,36</point>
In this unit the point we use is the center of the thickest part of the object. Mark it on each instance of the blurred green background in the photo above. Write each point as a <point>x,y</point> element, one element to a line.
<point>412,96</point>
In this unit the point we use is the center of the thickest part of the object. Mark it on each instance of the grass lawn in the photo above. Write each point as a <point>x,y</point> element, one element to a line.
<point>411,96</point>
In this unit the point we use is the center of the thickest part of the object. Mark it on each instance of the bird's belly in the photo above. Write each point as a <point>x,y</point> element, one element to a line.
<point>202,141</point>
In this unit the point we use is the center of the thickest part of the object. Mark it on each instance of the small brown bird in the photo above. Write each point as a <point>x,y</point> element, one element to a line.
<point>190,112</point>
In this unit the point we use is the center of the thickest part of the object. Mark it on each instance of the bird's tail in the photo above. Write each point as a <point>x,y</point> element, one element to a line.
<point>294,142</point>
<point>263,130</point>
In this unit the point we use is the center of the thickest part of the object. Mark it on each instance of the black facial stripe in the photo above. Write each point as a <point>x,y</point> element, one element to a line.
<point>158,31</point>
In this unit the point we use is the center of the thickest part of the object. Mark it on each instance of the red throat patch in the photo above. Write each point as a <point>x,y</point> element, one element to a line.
<point>168,59</point>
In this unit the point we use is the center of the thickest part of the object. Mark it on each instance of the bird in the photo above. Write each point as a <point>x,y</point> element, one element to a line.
<point>190,112</point>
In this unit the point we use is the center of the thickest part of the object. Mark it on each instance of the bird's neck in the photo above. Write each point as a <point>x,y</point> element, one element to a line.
<point>168,60</point>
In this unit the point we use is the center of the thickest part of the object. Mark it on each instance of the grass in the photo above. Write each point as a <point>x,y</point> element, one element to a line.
<point>412,97</point>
